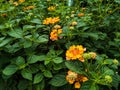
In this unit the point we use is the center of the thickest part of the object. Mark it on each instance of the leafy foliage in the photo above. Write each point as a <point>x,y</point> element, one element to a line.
<point>33,57</point>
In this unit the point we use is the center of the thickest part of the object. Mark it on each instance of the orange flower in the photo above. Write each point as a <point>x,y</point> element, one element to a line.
<point>81,78</point>
<point>54,34</point>
<point>51,20</point>
<point>81,59</point>
<point>51,8</point>
<point>21,1</point>
<point>74,52</point>
<point>54,20</point>
<point>76,79</point>
<point>77,85</point>
<point>84,79</point>
<point>28,7</point>
<point>71,77</point>
<point>80,14</point>
<point>4,15</point>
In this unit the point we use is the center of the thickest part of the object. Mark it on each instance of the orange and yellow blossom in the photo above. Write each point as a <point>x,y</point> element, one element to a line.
<point>4,14</point>
<point>80,14</point>
<point>81,78</point>
<point>54,34</point>
<point>76,79</point>
<point>21,1</point>
<point>28,8</point>
<point>77,85</point>
<point>71,77</point>
<point>75,52</point>
<point>51,8</point>
<point>51,20</point>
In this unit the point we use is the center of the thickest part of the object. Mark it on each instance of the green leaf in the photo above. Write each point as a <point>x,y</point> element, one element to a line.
<point>41,85</point>
<point>26,74</point>
<point>35,58</point>
<point>85,86</point>
<point>37,21</point>
<point>108,71</point>
<point>42,39</point>
<point>47,73</point>
<point>58,66</point>
<point>38,78</point>
<point>10,69</point>
<point>17,33</point>
<point>93,87</point>
<point>117,1</point>
<point>116,80</point>
<point>33,68</point>
<point>108,61</point>
<point>28,27</point>
<point>58,60</point>
<point>81,24</point>
<point>75,66</point>
<point>22,85</point>
<point>4,42</point>
<point>58,80</point>
<point>2,27</point>
<point>20,62</point>
<point>92,35</point>
<point>47,62</point>
<point>27,44</point>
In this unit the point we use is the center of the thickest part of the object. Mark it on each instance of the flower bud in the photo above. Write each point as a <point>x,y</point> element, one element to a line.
<point>77,85</point>
<point>67,17</point>
<point>80,14</point>
<point>74,23</point>
<point>115,61</point>
<point>72,15</point>
<point>71,27</point>
<point>86,56</point>
<point>72,12</point>
<point>57,26</point>
<point>108,78</point>
<point>93,55</point>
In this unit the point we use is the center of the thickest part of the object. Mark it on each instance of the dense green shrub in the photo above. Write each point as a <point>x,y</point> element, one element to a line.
<point>35,36</point>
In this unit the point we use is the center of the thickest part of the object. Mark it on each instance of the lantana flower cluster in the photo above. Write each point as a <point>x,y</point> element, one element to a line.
<point>16,3</point>
<point>28,8</point>
<point>54,35</point>
<point>75,52</point>
<point>51,8</point>
<point>76,79</point>
<point>51,20</point>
